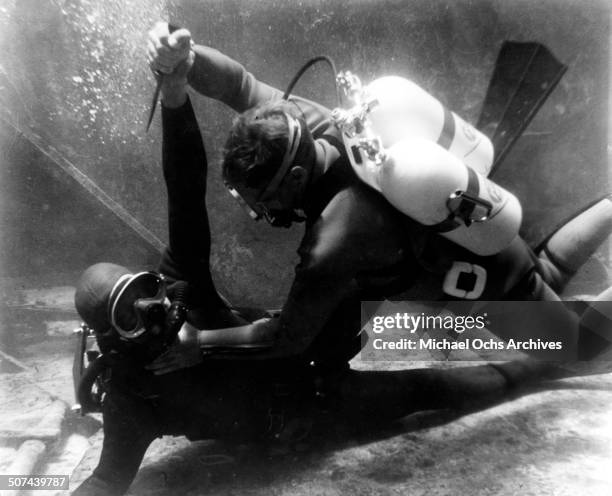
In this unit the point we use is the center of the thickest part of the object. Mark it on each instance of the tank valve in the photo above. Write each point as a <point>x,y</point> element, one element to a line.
<point>349,83</point>
<point>374,149</point>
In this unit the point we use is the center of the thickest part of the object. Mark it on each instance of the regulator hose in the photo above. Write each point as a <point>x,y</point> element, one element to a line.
<point>305,67</point>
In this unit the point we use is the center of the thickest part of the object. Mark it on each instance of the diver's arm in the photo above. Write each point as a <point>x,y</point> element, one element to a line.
<point>332,253</point>
<point>211,73</point>
<point>173,87</point>
<point>316,293</point>
<point>309,306</point>
<point>357,232</point>
<point>338,247</point>
<point>218,76</point>
<point>215,75</point>
<point>185,170</point>
<point>173,92</point>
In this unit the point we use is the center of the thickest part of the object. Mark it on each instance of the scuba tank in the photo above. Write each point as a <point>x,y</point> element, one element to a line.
<point>431,185</point>
<point>405,109</point>
<point>427,162</point>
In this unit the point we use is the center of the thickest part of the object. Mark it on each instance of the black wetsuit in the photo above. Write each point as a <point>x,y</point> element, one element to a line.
<point>217,399</point>
<point>356,246</point>
<point>245,400</point>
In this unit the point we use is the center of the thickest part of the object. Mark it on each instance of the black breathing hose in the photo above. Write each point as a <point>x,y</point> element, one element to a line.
<point>305,67</point>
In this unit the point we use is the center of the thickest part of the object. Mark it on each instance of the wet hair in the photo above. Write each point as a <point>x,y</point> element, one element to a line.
<point>256,145</point>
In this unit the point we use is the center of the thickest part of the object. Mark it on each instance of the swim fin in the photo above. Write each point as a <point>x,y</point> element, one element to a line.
<point>525,74</point>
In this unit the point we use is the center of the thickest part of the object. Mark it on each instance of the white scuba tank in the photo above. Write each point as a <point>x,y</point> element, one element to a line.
<point>405,109</point>
<point>432,186</point>
<point>398,141</point>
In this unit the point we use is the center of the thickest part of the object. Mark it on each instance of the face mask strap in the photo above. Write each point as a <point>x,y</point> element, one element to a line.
<point>293,143</point>
<point>117,285</point>
<point>139,328</point>
<point>259,210</point>
<point>244,204</point>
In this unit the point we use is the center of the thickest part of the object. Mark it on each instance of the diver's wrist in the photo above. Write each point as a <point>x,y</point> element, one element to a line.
<point>174,95</point>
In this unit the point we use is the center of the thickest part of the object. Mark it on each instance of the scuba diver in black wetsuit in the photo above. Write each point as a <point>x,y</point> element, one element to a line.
<point>356,246</point>
<point>236,400</point>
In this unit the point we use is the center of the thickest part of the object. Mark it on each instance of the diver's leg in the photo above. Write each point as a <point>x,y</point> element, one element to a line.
<point>364,397</point>
<point>584,337</point>
<point>543,316</point>
<point>572,244</point>
<point>129,429</point>
<point>187,256</point>
<point>595,338</point>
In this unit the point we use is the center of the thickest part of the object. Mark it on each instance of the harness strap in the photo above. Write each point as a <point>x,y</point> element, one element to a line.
<point>293,143</point>
<point>465,208</point>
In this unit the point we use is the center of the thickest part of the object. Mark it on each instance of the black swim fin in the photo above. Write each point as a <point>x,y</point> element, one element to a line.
<point>525,74</point>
